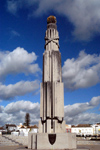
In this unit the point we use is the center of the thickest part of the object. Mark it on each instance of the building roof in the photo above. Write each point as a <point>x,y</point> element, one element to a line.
<point>81,125</point>
<point>35,127</point>
<point>22,127</point>
<point>68,126</point>
<point>98,123</point>
<point>10,125</point>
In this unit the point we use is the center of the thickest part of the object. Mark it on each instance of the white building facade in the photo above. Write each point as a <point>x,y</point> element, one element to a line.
<point>96,129</point>
<point>82,130</point>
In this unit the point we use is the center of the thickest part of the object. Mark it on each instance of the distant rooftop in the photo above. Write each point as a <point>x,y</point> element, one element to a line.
<point>82,125</point>
<point>35,126</point>
<point>10,125</point>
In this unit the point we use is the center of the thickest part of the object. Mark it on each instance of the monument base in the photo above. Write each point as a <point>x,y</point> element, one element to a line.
<point>52,141</point>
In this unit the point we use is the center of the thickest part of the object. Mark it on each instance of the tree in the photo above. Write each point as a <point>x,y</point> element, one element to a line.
<point>27,119</point>
<point>24,124</point>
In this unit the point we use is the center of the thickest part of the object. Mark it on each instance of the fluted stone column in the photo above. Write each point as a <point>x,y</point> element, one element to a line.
<point>52,94</point>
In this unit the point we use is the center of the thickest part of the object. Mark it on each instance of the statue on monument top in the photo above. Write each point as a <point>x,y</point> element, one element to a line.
<point>51,19</point>
<point>52,36</point>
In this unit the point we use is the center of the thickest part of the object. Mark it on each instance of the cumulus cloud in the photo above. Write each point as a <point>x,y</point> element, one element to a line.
<point>20,88</point>
<point>83,118</point>
<point>15,112</point>
<point>95,101</point>
<point>18,61</point>
<point>84,15</point>
<point>82,72</point>
<point>1,109</point>
<point>74,114</point>
<point>77,108</point>
<point>25,106</point>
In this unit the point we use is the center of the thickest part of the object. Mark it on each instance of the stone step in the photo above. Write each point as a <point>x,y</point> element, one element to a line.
<point>21,140</point>
<point>8,144</point>
<point>6,141</point>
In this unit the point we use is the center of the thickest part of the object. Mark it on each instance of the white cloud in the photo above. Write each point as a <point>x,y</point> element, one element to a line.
<point>15,112</point>
<point>77,113</point>
<point>45,6</point>
<point>83,14</point>
<point>83,118</point>
<point>20,88</point>
<point>77,108</point>
<point>95,101</point>
<point>1,109</point>
<point>25,106</point>
<point>74,114</point>
<point>82,72</point>
<point>18,61</point>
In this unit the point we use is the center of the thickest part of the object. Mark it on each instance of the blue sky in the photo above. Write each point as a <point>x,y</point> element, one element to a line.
<point>22,31</point>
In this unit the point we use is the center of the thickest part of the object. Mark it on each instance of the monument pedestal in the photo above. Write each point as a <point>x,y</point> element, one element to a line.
<point>61,141</point>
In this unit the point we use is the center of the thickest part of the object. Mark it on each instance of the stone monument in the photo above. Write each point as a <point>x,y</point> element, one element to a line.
<point>51,133</point>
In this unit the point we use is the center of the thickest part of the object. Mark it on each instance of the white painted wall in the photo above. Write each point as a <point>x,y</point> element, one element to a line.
<point>96,129</point>
<point>82,130</point>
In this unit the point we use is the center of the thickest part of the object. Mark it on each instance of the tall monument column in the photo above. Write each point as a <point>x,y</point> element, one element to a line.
<point>52,94</point>
<point>51,133</point>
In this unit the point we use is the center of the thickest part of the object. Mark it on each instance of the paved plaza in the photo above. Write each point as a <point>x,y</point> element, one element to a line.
<point>90,147</point>
<point>20,143</point>
<point>96,146</point>
<point>11,147</point>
